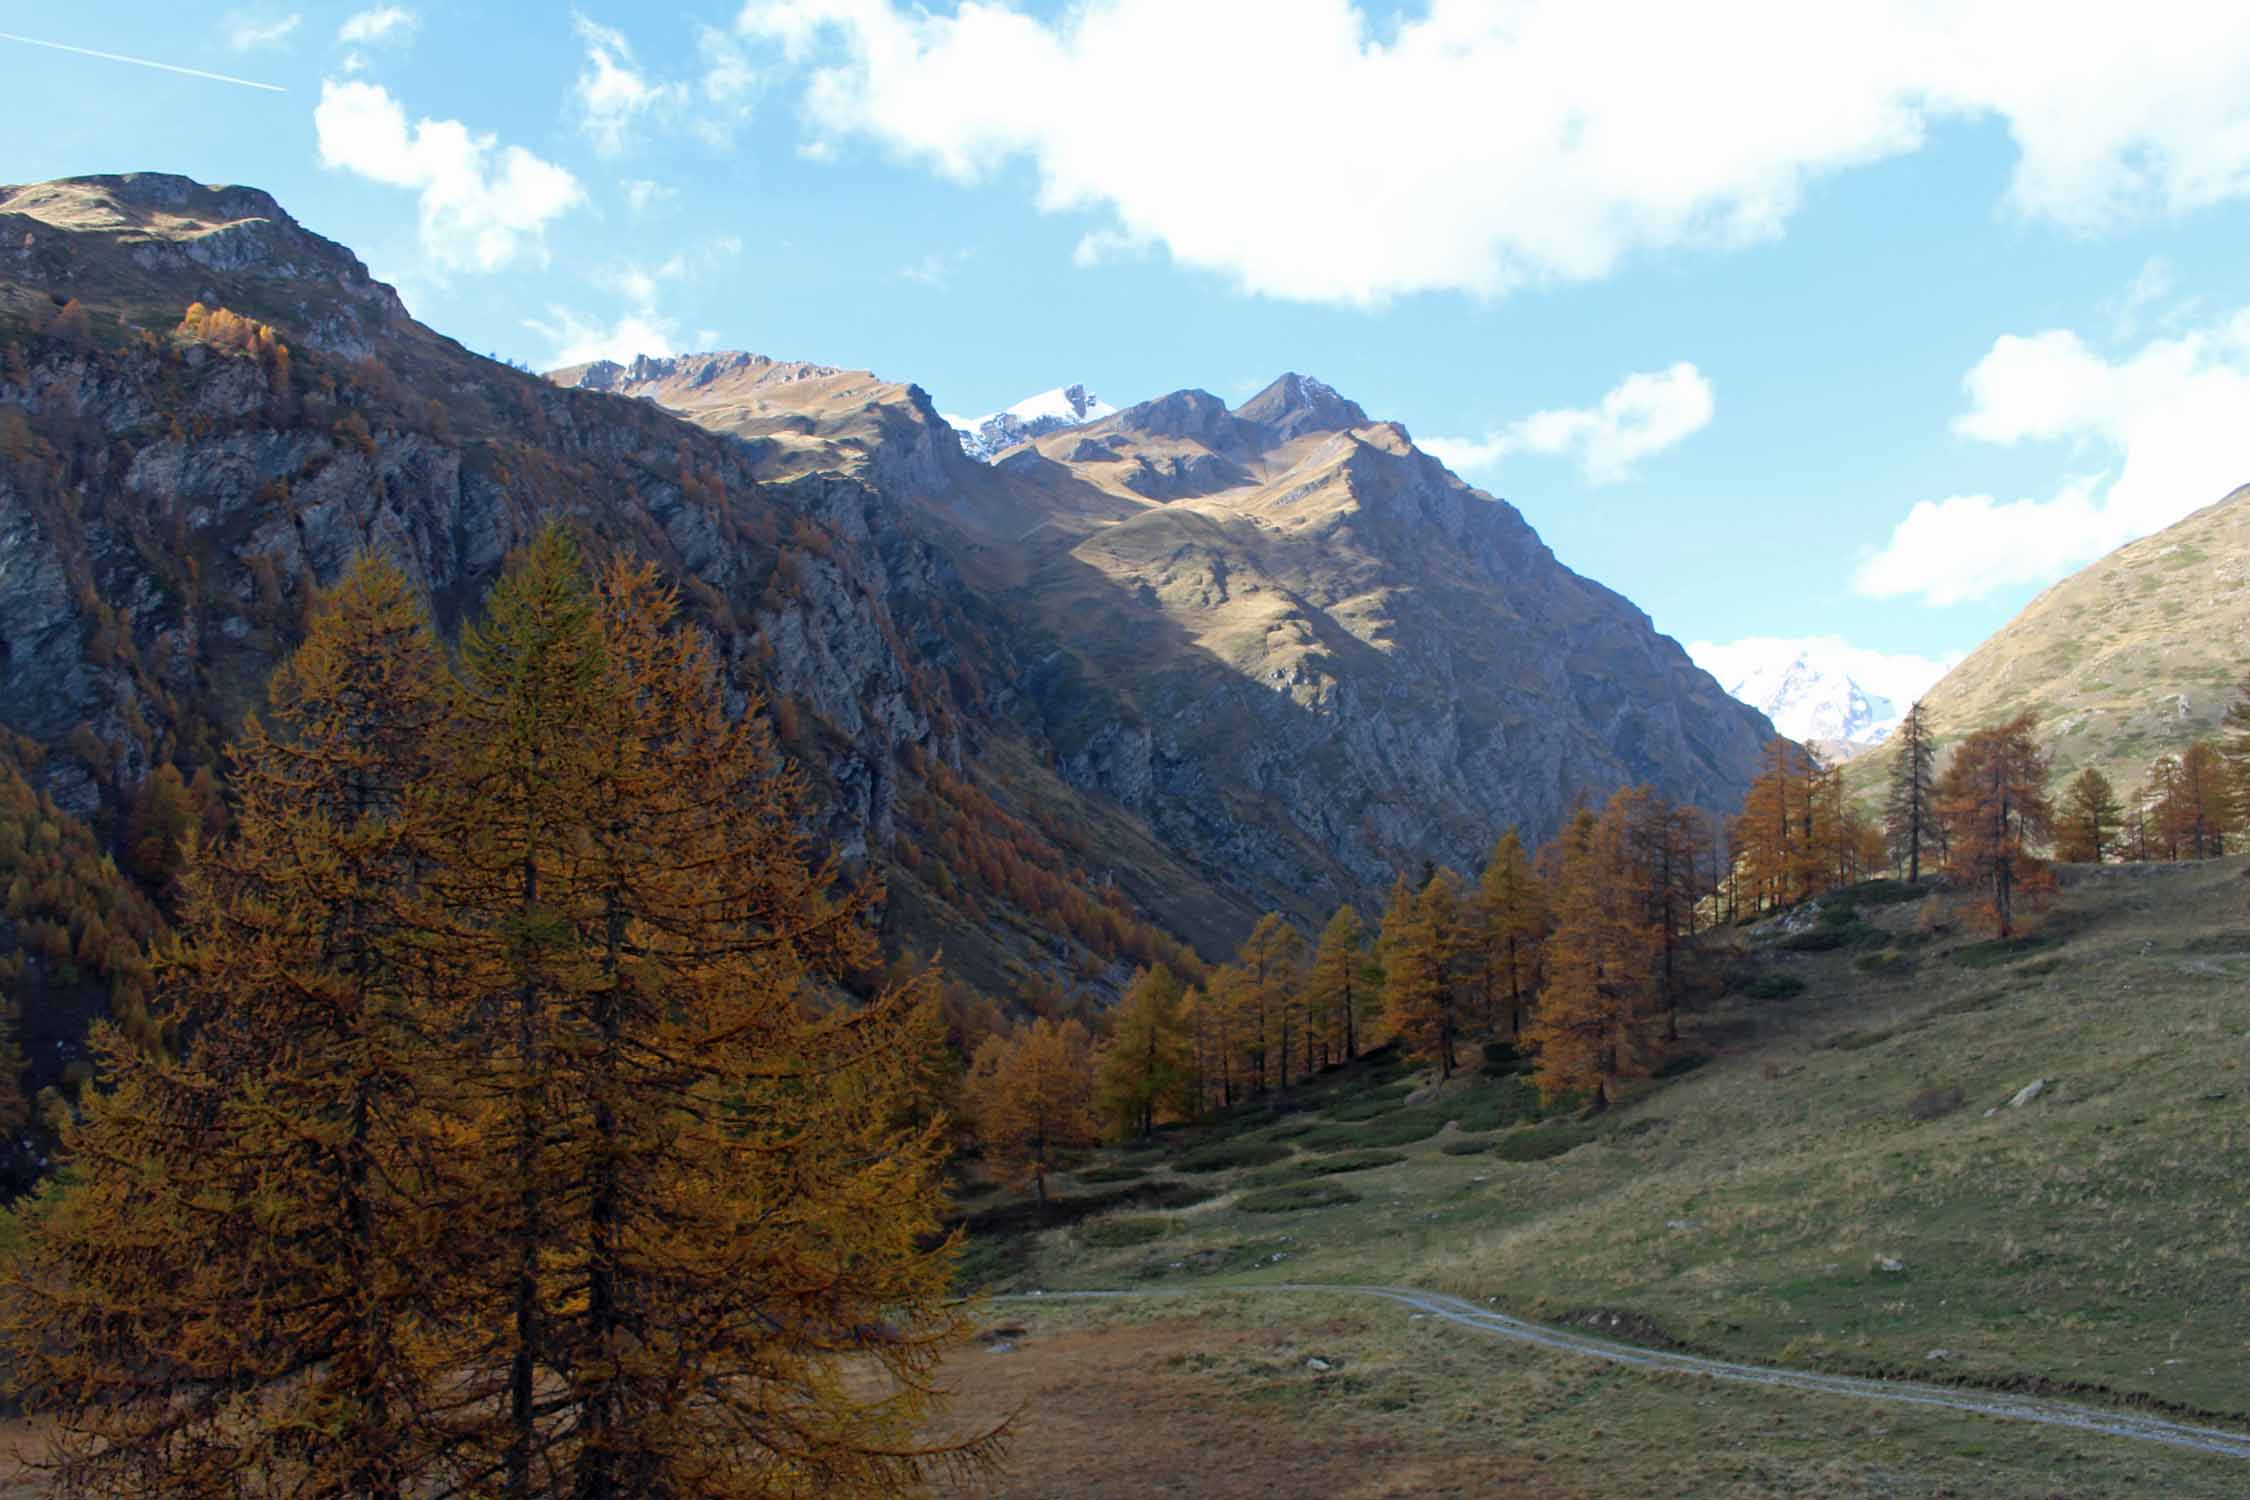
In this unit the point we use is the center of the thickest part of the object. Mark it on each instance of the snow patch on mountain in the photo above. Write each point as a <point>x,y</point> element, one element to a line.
<point>1822,688</point>
<point>987,437</point>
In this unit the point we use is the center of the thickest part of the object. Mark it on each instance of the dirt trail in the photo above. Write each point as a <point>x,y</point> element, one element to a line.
<point>1467,1314</point>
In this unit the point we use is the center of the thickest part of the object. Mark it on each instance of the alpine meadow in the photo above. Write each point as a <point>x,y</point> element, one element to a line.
<point>622,918</point>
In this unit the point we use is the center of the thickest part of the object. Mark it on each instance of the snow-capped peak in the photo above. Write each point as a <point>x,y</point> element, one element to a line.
<point>987,437</point>
<point>1808,700</point>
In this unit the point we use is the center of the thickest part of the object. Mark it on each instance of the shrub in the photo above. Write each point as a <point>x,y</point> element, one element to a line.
<point>1889,961</point>
<point>1109,1234</point>
<point>1112,1174</point>
<point>1465,1147</point>
<point>1292,1197</point>
<point>1541,1142</point>
<point>1501,1059</point>
<point>1513,1100</point>
<point>1289,1131</point>
<point>1829,936</point>
<point>1401,1128</point>
<point>1999,951</point>
<point>1880,893</point>
<point>1933,1104</point>
<point>1361,1109</point>
<point>1223,1156</point>
<point>1305,1168</point>
<point>1774,986</point>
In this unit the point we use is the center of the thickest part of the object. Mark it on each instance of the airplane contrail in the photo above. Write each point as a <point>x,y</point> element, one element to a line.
<point>144,62</point>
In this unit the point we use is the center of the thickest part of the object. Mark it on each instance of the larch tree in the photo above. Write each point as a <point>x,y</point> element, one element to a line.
<point>1510,922</point>
<point>2090,823</point>
<point>1144,1069</point>
<point>1767,836</point>
<point>1338,997</point>
<point>1910,815</point>
<point>1031,1096</point>
<point>15,1107</point>
<point>2194,807</point>
<point>1420,998</point>
<point>1997,812</point>
<point>246,1293</point>
<point>696,1200</point>
<point>1597,1019</point>
<point>1272,962</point>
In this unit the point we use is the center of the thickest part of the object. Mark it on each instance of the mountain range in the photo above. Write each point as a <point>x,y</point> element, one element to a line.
<point>1137,681</point>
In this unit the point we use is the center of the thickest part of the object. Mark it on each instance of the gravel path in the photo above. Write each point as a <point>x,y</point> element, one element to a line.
<point>1467,1314</point>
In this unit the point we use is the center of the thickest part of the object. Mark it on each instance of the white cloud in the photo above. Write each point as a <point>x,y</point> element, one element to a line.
<point>2151,437</point>
<point>1481,147</point>
<point>484,206</point>
<point>577,341</point>
<point>1643,414</point>
<point>248,31</point>
<point>617,97</point>
<point>641,194</point>
<point>1900,676</point>
<point>935,270</point>
<point>643,328</point>
<point>613,94</point>
<point>385,23</point>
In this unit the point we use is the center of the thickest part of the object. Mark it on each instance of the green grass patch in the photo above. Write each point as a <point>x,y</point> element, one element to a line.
<point>1110,1234</point>
<point>1304,1169</point>
<point>1772,985</point>
<point>1889,961</point>
<point>2000,951</point>
<point>1541,1142</point>
<point>1295,1197</point>
<point>1119,1173</point>
<point>1225,1156</point>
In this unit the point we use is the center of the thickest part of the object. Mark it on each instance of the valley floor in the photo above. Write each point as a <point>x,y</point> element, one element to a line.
<point>1834,1180</point>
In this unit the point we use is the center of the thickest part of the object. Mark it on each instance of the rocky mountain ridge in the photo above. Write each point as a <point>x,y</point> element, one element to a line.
<point>1297,645</point>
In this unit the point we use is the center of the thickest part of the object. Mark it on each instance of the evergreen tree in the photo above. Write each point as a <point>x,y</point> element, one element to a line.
<point>1910,809</point>
<point>2090,823</point>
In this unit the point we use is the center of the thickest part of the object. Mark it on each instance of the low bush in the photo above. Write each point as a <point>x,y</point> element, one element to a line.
<point>1889,961</point>
<point>1401,1128</point>
<point>1774,986</point>
<point>2000,951</point>
<point>1825,938</point>
<point>1360,1109</point>
<point>1501,1059</point>
<point>1110,1234</point>
<point>1510,1101</point>
<point>1541,1142</point>
<point>1466,1147</point>
<point>1225,1156</point>
<point>1881,893</point>
<point>1933,1104</point>
<point>1305,1168</point>
<point>1295,1196</point>
<point>1289,1130</point>
<point>1112,1174</point>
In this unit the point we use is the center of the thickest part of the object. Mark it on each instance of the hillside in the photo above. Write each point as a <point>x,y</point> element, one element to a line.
<point>1306,652</point>
<point>2132,657</point>
<point>1834,1178</point>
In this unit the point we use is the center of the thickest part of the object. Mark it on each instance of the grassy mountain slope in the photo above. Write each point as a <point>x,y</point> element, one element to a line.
<point>2130,658</point>
<point>2093,1240</point>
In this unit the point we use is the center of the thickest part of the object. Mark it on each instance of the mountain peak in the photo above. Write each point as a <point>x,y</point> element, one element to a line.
<point>1064,406</point>
<point>1296,404</point>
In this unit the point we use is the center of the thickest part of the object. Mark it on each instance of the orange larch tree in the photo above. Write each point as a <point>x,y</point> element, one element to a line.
<point>1996,810</point>
<point>1509,923</point>
<point>1032,1098</point>
<point>1599,1009</point>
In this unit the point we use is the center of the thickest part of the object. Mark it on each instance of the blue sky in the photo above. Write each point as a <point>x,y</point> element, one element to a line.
<point>1780,329</point>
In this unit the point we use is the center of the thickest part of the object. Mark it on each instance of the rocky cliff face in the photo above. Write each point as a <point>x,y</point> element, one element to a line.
<point>174,487</point>
<point>1300,648</point>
